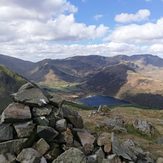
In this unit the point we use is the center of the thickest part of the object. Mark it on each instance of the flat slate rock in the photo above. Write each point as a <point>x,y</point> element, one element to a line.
<point>16,112</point>
<point>24,129</point>
<point>12,146</point>
<point>31,94</point>
<point>30,155</point>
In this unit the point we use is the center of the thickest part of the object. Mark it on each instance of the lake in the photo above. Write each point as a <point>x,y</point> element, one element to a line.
<point>95,101</point>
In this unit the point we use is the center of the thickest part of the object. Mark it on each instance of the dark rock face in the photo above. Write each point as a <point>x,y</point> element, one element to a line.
<point>31,95</point>
<point>47,133</point>
<point>16,112</point>
<point>6,132</point>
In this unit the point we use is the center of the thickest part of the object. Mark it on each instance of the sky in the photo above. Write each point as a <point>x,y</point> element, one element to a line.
<point>38,29</point>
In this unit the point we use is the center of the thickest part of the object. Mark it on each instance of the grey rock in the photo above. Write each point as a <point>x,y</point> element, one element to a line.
<point>73,117</point>
<point>7,158</point>
<point>24,129</point>
<point>30,155</point>
<point>43,111</point>
<point>42,146</point>
<point>16,112</point>
<point>129,151</point>
<point>12,146</point>
<point>159,160</point>
<point>6,132</point>
<point>42,121</point>
<point>144,126</point>
<point>73,155</point>
<point>47,133</point>
<point>113,122</point>
<point>86,140</point>
<point>61,125</point>
<point>31,94</point>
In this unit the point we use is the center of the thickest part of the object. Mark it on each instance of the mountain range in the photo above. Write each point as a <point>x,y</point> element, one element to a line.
<point>137,78</point>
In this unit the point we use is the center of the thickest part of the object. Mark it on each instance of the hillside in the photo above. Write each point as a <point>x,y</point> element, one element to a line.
<point>136,78</point>
<point>9,83</point>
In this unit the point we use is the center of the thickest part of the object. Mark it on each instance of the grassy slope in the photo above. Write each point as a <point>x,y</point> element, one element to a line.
<point>129,114</point>
<point>10,82</point>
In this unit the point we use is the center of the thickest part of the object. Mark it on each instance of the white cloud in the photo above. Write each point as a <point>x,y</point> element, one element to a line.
<point>145,33</point>
<point>137,17</point>
<point>45,20</point>
<point>98,16</point>
<point>35,30</point>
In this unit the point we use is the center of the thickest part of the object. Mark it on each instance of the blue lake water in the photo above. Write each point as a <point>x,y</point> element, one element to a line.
<point>95,101</point>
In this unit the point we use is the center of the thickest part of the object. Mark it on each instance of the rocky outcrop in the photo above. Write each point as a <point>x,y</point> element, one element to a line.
<point>144,127</point>
<point>33,129</point>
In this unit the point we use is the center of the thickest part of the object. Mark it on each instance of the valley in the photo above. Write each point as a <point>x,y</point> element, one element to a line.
<point>136,79</point>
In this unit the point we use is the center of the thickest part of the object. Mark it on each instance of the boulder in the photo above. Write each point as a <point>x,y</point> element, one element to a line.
<point>73,155</point>
<point>47,133</point>
<point>43,111</point>
<point>31,95</point>
<point>61,125</point>
<point>87,141</point>
<point>30,155</point>
<point>24,129</point>
<point>6,132</point>
<point>42,146</point>
<point>144,127</point>
<point>12,146</point>
<point>7,158</point>
<point>16,112</point>
<point>73,117</point>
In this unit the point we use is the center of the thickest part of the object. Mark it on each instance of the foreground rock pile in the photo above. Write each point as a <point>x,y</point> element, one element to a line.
<point>35,129</point>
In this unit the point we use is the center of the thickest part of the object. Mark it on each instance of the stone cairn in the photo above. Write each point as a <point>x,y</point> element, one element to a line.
<point>36,129</point>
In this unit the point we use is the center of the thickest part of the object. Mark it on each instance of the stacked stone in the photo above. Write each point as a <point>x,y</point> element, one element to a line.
<point>35,129</point>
